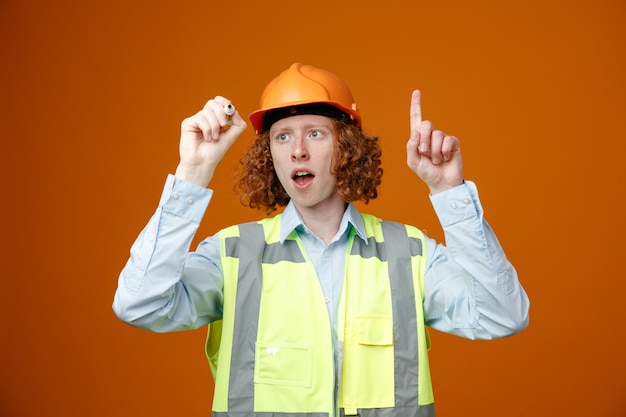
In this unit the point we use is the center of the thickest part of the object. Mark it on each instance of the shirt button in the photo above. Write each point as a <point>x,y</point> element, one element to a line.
<point>175,196</point>
<point>326,299</point>
<point>190,200</point>
<point>454,205</point>
<point>326,254</point>
<point>467,200</point>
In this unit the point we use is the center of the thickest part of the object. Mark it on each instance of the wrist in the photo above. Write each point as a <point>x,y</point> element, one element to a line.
<point>440,188</point>
<point>195,175</point>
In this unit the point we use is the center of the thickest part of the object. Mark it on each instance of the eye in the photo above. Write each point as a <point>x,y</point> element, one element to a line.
<point>281,137</point>
<point>316,133</point>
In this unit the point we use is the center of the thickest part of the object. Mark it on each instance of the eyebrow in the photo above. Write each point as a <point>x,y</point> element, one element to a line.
<point>316,126</point>
<point>307,126</point>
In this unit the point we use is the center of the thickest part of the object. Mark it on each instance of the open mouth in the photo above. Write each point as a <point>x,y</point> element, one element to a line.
<point>303,177</point>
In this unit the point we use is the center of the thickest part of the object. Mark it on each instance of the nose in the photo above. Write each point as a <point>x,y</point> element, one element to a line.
<point>299,151</point>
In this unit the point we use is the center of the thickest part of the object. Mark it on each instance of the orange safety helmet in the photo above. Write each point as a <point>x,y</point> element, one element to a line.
<point>304,89</point>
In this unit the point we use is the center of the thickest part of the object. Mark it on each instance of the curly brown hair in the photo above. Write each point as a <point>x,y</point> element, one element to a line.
<point>356,165</point>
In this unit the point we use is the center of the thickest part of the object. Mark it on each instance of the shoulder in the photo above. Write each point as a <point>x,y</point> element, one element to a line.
<point>374,225</point>
<point>242,229</point>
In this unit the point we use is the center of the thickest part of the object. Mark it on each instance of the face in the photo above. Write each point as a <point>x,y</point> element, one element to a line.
<point>302,149</point>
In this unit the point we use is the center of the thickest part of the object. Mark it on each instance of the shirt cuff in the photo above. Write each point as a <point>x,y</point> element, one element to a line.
<point>457,204</point>
<point>184,199</point>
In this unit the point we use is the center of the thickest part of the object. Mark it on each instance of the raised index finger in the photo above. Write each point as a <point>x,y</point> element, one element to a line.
<point>416,110</point>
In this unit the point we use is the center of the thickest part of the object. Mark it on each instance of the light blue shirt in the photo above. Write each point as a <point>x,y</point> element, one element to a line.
<point>471,289</point>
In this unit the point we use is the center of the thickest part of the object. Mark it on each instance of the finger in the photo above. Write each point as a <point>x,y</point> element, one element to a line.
<point>425,130</point>
<point>436,144</point>
<point>205,125</point>
<point>450,145</point>
<point>416,110</point>
<point>414,123</point>
<point>222,100</point>
<point>214,113</point>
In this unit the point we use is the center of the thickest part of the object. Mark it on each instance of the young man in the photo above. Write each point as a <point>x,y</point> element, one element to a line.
<point>320,310</point>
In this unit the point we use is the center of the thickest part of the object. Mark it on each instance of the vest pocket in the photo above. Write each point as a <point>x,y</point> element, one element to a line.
<point>368,363</point>
<point>283,364</point>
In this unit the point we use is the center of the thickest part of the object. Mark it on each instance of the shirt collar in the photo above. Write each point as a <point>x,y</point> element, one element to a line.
<point>291,220</point>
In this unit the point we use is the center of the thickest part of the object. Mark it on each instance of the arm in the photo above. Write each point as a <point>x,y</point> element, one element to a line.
<point>470,288</point>
<point>163,287</point>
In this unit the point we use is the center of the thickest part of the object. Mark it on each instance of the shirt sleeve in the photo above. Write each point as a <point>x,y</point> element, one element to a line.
<point>471,289</point>
<point>163,287</point>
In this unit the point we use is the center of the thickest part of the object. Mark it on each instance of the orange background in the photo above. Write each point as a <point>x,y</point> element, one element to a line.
<point>93,94</point>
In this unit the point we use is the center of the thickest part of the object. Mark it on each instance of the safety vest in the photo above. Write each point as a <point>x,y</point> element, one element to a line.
<point>272,351</point>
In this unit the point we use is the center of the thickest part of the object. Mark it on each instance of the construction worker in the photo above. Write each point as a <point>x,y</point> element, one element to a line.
<point>319,310</point>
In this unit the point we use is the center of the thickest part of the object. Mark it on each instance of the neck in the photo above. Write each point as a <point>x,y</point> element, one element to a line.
<point>324,222</point>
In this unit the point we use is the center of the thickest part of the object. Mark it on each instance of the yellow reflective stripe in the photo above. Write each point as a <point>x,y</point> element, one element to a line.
<point>230,266</point>
<point>212,345</point>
